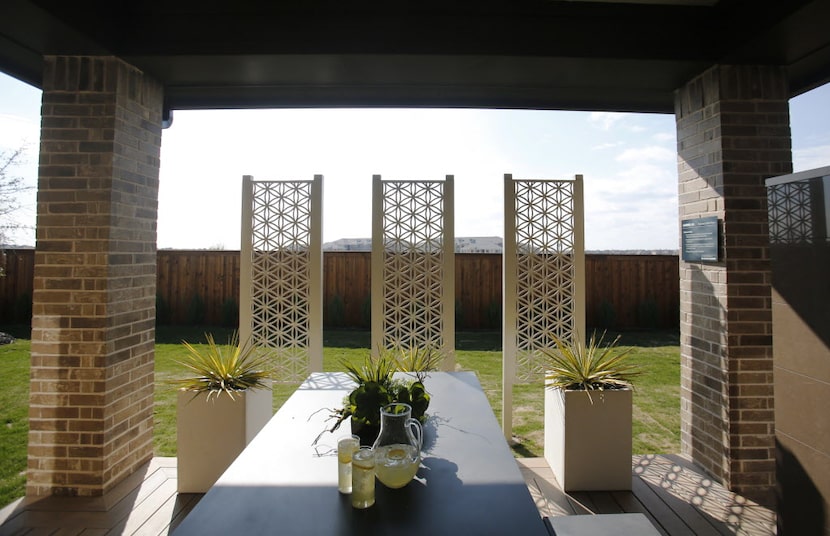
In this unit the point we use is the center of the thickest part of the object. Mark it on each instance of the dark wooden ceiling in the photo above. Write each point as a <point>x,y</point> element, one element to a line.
<point>544,54</point>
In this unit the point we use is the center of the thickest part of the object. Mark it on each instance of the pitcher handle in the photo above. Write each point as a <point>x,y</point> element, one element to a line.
<point>420,431</point>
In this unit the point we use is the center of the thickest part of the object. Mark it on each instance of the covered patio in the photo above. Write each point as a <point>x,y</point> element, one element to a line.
<point>113,74</point>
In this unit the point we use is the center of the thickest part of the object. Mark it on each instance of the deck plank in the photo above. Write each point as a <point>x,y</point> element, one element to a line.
<point>145,509</point>
<point>665,516</point>
<point>550,500</point>
<point>630,504</point>
<point>68,532</point>
<point>12,518</point>
<point>42,531</point>
<point>189,501</point>
<point>546,493</point>
<point>142,478</point>
<point>604,503</point>
<point>685,486</point>
<point>158,522</point>
<point>583,502</point>
<point>96,508</point>
<point>83,513</point>
<point>699,523</point>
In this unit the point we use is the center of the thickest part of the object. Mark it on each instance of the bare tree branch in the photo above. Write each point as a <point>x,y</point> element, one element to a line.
<point>11,186</point>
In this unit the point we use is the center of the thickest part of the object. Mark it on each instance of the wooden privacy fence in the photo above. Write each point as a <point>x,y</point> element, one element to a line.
<point>202,287</point>
<point>16,287</point>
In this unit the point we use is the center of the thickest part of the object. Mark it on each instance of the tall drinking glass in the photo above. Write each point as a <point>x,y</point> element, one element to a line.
<point>346,447</point>
<point>363,478</point>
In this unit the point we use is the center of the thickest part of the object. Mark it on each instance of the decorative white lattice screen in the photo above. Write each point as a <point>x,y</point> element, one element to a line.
<point>544,274</point>
<point>281,273</point>
<point>413,266</point>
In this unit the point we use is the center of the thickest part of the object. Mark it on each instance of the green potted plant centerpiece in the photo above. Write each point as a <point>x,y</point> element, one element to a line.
<point>378,386</point>
<point>222,405</point>
<point>588,414</point>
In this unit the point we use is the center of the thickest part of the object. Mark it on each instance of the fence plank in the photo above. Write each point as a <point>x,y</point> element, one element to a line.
<point>638,291</point>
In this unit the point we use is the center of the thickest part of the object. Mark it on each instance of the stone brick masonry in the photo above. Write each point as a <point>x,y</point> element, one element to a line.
<point>91,395</point>
<point>733,132</point>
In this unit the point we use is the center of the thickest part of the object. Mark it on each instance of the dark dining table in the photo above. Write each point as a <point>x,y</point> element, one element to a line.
<point>468,482</point>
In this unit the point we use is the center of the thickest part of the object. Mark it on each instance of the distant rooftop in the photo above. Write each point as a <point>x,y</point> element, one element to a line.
<point>474,244</point>
<point>481,244</point>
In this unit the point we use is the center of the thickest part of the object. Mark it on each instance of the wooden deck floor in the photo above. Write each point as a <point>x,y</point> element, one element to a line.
<point>144,504</point>
<point>676,497</point>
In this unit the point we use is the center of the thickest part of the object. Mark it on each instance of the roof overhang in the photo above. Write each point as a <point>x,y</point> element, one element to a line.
<point>544,54</point>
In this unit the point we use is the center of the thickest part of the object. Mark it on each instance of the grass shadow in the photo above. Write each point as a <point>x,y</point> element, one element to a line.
<point>643,339</point>
<point>191,334</point>
<point>522,451</point>
<point>347,338</point>
<point>18,331</point>
<point>485,341</point>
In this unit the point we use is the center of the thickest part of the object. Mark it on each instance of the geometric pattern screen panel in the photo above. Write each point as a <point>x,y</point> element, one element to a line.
<point>413,308</point>
<point>545,270</point>
<point>790,212</point>
<point>281,274</point>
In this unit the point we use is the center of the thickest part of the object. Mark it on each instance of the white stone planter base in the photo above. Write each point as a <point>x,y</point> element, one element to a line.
<point>588,445</point>
<point>211,434</point>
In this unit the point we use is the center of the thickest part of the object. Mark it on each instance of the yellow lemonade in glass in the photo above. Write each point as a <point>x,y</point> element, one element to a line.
<point>345,448</point>
<point>363,478</point>
<point>396,464</point>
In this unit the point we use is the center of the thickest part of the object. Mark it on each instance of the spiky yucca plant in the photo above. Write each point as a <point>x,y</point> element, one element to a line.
<point>419,361</point>
<point>575,366</point>
<point>373,369</point>
<point>229,368</point>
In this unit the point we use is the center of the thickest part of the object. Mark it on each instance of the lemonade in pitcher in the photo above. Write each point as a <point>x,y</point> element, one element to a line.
<point>396,464</point>
<point>398,446</point>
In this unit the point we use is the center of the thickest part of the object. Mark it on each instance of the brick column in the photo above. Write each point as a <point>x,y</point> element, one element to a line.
<point>733,132</point>
<point>91,399</point>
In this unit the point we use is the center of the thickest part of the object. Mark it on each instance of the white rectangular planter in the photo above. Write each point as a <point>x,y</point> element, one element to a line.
<point>211,434</point>
<point>588,445</point>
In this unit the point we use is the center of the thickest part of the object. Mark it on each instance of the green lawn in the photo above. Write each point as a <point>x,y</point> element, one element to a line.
<point>14,415</point>
<point>656,398</point>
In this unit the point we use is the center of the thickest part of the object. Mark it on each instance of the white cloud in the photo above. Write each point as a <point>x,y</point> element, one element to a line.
<point>603,146</point>
<point>17,131</point>
<point>635,206</point>
<point>606,120</point>
<point>651,153</point>
<point>811,157</point>
<point>665,137</point>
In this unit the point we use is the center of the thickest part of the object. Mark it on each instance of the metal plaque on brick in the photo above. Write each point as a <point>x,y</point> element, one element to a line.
<point>699,240</point>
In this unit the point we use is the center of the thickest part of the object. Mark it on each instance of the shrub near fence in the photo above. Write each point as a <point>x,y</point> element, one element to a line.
<point>623,291</point>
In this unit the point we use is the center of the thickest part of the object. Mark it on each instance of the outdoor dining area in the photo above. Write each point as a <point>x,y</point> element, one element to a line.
<point>467,480</point>
<point>453,470</point>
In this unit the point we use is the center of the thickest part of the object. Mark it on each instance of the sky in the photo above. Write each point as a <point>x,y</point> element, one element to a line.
<point>628,162</point>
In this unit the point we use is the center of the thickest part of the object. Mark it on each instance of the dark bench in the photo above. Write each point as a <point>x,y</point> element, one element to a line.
<point>598,525</point>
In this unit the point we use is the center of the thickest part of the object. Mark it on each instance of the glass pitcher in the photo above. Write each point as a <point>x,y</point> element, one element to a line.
<point>398,446</point>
